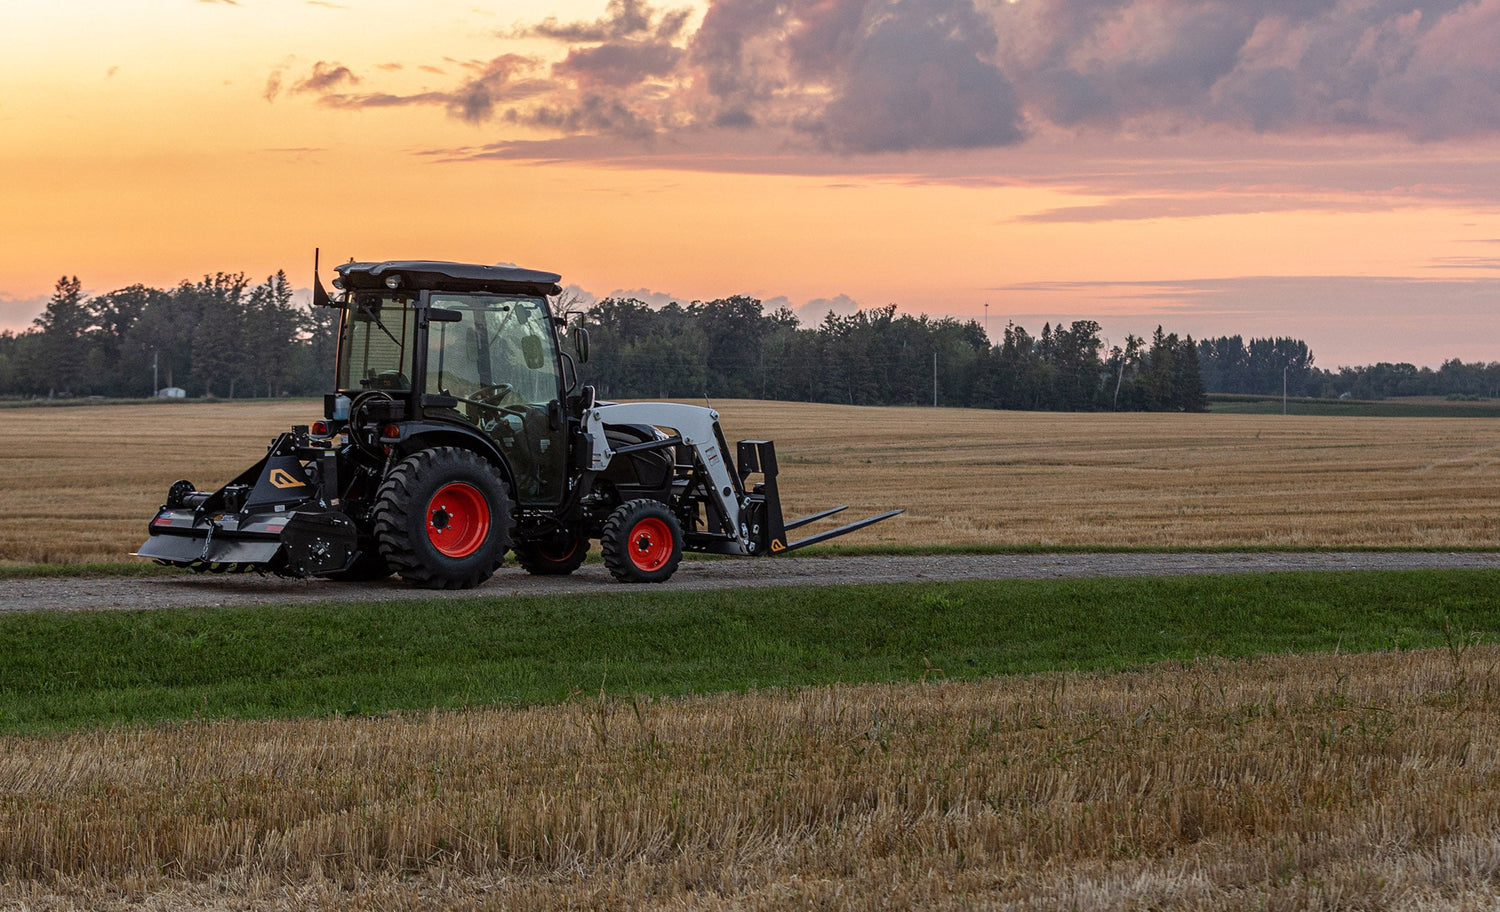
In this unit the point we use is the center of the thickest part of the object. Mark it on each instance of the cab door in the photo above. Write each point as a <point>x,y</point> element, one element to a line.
<point>499,360</point>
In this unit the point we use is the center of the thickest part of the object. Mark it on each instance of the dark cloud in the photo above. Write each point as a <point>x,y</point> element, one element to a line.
<point>919,78</point>
<point>326,77</point>
<point>619,63</point>
<point>892,76</point>
<point>622,19</point>
<point>273,86</point>
<point>1423,68</point>
<point>475,100</point>
<point>591,113</point>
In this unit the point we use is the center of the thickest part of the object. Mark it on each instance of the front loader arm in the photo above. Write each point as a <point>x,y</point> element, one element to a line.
<point>751,518</point>
<point>698,429</point>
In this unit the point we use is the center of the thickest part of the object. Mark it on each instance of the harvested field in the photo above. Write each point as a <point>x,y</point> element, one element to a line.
<point>1280,782</point>
<point>78,484</point>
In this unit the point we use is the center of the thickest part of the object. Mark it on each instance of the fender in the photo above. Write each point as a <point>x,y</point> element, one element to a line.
<point>422,434</point>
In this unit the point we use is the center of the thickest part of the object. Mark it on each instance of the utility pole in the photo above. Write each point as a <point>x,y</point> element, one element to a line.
<point>154,386</point>
<point>1283,388</point>
<point>934,379</point>
<point>986,321</point>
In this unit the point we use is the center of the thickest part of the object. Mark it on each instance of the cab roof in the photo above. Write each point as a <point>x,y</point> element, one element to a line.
<point>440,275</point>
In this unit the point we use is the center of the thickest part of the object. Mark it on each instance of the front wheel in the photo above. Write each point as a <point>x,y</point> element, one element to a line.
<point>443,518</point>
<point>642,542</point>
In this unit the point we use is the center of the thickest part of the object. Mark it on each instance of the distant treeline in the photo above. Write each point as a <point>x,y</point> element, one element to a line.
<point>1230,365</point>
<point>220,336</point>
<point>225,337</point>
<point>732,348</point>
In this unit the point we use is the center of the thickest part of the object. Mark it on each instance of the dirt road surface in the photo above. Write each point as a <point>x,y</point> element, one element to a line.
<point>214,590</point>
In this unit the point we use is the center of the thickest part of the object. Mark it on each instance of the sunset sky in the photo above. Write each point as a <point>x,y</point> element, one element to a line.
<point>1324,169</point>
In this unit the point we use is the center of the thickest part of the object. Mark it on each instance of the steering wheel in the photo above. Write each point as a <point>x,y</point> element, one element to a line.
<point>491,395</point>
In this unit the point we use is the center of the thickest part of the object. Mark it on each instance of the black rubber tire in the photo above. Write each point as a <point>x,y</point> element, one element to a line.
<point>401,518</point>
<point>632,552</point>
<point>551,558</point>
<point>368,567</point>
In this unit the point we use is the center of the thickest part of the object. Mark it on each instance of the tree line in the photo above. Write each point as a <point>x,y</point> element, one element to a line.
<point>1229,364</point>
<point>225,336</point>
<point>220,336</point>
<point>732,348</point>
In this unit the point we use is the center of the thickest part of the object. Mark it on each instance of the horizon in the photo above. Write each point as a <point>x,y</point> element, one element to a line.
<point>1325,172</point>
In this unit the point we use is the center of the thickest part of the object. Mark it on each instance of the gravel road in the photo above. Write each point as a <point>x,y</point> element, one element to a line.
<point>212,590</point>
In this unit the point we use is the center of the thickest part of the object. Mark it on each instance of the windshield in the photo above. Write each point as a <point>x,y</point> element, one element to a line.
<point>502,344</point>
<point>375,343</point>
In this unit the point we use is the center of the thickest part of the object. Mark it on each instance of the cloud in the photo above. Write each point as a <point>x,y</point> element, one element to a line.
<point>1421,68</point>
<point>497,82</point>
<point>619,63</point>
<point>273,86</point>
<point>919,77</point>
<point>656,299</point>
<point>885,77</point>
<point>16,314</point>
<point>813,312</point>
<point>325,77</point>
<point>631,19</point>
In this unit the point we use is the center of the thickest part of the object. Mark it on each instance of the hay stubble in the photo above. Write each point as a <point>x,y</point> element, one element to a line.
<point>79,484</point>
<point>1306,782</point>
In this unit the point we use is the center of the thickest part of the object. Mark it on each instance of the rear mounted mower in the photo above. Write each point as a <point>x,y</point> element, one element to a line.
<point>458,431</point>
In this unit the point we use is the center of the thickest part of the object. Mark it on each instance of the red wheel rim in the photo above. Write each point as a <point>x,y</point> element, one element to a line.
<point>458,519</point>
<point>650,544</point>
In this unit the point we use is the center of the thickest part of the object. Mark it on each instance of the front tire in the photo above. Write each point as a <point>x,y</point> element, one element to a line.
<point>443,518</point>
<point>642,542</point>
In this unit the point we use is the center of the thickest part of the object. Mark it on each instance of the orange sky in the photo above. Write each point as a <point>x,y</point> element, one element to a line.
<point>155,141</point>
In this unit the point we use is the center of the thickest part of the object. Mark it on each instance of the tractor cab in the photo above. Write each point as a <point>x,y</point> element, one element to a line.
<point>425,344</point>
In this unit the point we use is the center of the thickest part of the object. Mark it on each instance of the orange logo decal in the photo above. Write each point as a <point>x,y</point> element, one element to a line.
<point>776,545</point>
<point>281,478</point>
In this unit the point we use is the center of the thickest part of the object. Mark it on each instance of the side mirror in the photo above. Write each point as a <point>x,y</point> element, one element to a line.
<point>581,343</point>
<point>531,350</point>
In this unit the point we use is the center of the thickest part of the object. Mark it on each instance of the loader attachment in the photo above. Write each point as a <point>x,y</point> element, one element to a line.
<point>759,457</point>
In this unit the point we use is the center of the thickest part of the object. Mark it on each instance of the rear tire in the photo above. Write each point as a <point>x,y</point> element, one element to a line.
<point>642,542</point>
<point>552,558</point>
<point>443,518</point>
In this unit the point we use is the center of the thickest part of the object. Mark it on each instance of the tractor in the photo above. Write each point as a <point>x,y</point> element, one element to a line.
<point>459,430</point>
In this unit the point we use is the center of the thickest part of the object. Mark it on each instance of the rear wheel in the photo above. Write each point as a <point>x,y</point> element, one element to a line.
<point>642,542</point>
<point>443,518</point>
<point>552,558</point>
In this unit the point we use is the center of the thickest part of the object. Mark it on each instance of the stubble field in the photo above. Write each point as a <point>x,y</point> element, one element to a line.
<point>78,484</point>
<point>1277,783</point>
<point>1296,782</point>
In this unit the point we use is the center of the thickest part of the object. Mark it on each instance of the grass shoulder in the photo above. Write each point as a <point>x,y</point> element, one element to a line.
<point>62,671</point>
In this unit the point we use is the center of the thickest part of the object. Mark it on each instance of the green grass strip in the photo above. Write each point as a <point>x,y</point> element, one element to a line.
<point>69,670</point>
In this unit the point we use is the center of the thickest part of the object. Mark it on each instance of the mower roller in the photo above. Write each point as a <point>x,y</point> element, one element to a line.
<point>458,430</point>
